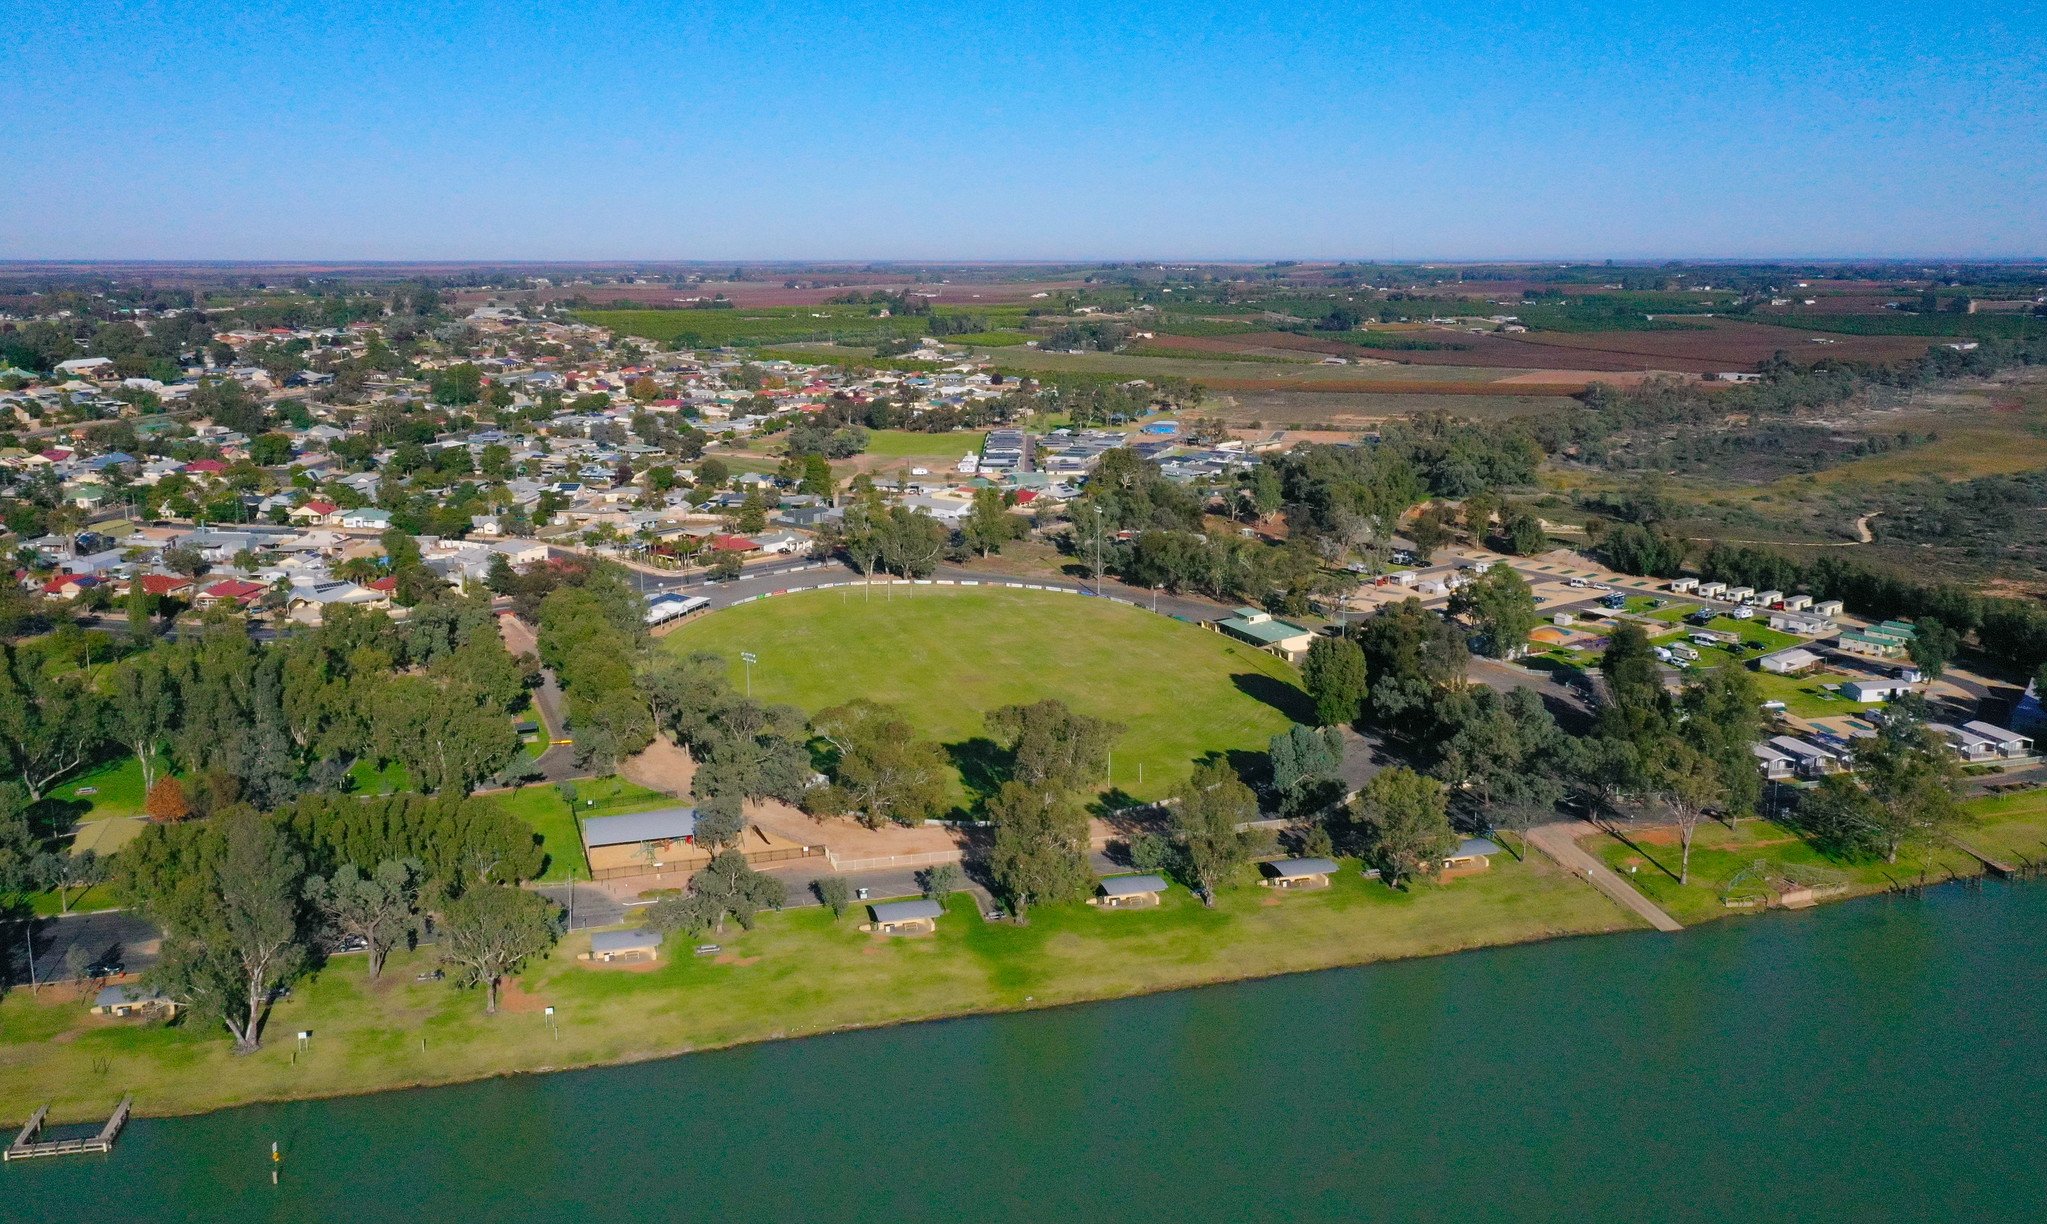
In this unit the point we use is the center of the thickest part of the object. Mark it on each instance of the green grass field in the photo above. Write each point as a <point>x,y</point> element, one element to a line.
<point>541,806</point>
<point>948,655</point>
<point>116,787</point>
<point>911,444</point>
<point>796,973</point>
<point>1718,854</point>
<point>1807,696</point>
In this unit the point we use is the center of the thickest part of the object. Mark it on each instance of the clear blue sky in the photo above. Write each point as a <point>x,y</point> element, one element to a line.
<point>1045,129</point>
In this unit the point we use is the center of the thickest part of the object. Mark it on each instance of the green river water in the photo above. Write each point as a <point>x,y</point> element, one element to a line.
<point>1880,1060</point>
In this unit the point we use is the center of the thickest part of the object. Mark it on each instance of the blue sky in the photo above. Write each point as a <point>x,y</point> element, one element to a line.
<point>764,130</point>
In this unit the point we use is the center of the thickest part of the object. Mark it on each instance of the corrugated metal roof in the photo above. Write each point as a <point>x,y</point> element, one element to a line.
<point>904,911</point>
<point>1477,847</point>
<point>1132,886</point>
<point>661,824</point>
<point>624,941</point>
<point>1294,867</point>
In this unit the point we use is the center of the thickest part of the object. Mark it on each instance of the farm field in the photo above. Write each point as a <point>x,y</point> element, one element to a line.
<point>1308,409</point>
<point>1031,361</point>
<point>949,655</point>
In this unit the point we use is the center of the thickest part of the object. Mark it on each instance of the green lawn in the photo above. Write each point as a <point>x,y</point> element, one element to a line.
<point>911,444</point>
<point>796,973</point>
<point>1652,863</point>
<point>1807,697</point>
<point>117,787</point>
<point>366,777</point>
<point>2010,828</point>
<point>948,655</point>
<point>541,806</point>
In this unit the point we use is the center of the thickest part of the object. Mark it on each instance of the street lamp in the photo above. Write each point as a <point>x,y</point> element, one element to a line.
<point>749,658</point>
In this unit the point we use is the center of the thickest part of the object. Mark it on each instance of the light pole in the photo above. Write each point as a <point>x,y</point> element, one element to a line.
<point>749,658</point>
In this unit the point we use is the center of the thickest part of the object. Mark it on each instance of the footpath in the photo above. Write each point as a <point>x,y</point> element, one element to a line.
<point>1560,842</point>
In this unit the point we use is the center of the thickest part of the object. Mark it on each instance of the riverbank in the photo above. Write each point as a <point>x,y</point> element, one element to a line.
<point>798,973</point>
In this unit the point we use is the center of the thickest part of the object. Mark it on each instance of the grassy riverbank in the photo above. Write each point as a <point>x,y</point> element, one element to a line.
<point>797,973</point>
<point>1735,863</point>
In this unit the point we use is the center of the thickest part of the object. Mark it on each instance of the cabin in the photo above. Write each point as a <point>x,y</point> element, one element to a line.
<point>1683,586</point>
<point>919,917</point>
<point>1267,632</point>
<point>1129,892</point>
<point>640,842</point>
<point>1874,690</point>
<point>1971,746</point>
<point>126,1003</point>
<point>623,947</point>
<point>1789,662</point>
<point>1741,594</point>
<point>1809,760</point>
<point>1713,590</point>
<point>1472,855</point>
<point>2009,744</point>
<point>1297,873</point>
<point>1776,764</point>
<point>1829,608</point>
<point>1801,624</point>
<point>1796,603</point>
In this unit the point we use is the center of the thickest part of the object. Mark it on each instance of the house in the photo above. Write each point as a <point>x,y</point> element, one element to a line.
<point>1881,646</point>
<point>1874,690</point>
<point>1298,873</point>
<point>736,544</point>
<point>87,367</point>
<point>166,586</point>
<point>313,512</point>
<point>125,1002</point>
<point>69,586</point>
<point>1128,892</point>
<point>1769,599</point>
<point>640,842</point>
<point>1683,585</point>
<point>2010,744</point>
<point>1788,662</point>
<point>1713,590</point>
<point>1777,765</point>
<point>1473,854</point>
<point>1796,603</point>
<point>1261,629</point>
<point>919,917</point>
<point>623,947</point>
<point>367,517</point>
<point>229,590</point>
<point>1741,594</point>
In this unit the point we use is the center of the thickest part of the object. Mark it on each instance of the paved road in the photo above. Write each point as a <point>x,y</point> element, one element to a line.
<point>1560,842</point>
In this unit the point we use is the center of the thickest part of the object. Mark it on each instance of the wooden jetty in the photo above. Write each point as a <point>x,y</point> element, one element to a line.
<point>27,1147</point>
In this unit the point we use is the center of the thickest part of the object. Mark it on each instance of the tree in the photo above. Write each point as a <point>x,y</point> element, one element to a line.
<point>884,769</point>
<point>727,887</point>
<point>1525,533</point>
<point>1307,768</point>
<point>1412,655</point>
<point>1206,812</point>
<point>1933,646</point>
<point>1501,608</point>
<point>721,822</point>
<point>726,566</point>
<point>988,525</point>
<point>166,803</point>
<point>489,931</point>
<point>1912,777</point>
<point>941,881</point>
<point>1051,747</point>
<point>62,871</point>
<point>229,896</point>
<point>1040,850</point>
<point>1723,718</point>
<point>834,892</point>
<point>1335,679</point>
<point>380,908</point>
<point>49,723</point>
<point>1428,533</point>
<point>1405,820</point>
<point>1688,782</point>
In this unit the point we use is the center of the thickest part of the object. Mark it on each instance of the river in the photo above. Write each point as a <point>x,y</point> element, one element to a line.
<point>1880,1060</point>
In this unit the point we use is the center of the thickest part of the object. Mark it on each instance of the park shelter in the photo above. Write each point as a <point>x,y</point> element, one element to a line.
<point>1299,873</point>
<point>126,1001</point>
<point>919,917</point>
<point>622,947</point>
<point>1129,892</point>
<point>1473,854</point>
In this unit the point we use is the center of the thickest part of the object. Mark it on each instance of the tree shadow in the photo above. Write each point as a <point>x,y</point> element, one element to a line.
<point>1288,699</point>
<point>984,766</point>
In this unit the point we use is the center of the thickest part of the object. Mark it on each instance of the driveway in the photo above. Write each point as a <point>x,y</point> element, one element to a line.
<point>1560,842</point>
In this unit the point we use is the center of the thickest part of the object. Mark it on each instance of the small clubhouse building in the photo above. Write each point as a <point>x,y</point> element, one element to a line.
<point>641,842</point>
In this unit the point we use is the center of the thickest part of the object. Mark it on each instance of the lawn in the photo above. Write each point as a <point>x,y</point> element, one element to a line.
<point>796,973</point>
<point>116,787</point>
<point>1807,697</point>
<point>541,806</point>
<point>948,655</point>
<point>1652,861</point>
<point>2010,828</point>
<point>911,444</point>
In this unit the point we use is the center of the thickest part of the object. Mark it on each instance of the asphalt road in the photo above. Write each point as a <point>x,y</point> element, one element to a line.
<point>117,936</point>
